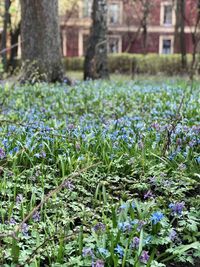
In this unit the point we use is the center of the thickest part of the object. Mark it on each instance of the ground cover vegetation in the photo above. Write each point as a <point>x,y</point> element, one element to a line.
<point>99,174</point>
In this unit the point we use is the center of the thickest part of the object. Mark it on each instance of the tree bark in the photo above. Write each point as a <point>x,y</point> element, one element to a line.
<point>96,61</point>
<point>14,39</point>
<point>41,48</point>
<point>180,32</point>
<point>6,22</point>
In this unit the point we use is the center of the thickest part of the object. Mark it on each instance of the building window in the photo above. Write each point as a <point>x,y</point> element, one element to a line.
<point>167,20</point>
<point>113,13</point>
<point>166,45</point>
<point>114,44</point>
<point>167,13</point>
<point>87,8</point>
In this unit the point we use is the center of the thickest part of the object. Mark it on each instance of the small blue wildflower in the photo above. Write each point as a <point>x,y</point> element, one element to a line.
<point>133,205</point>
<point>149,194</point>
<point>172,235</point>
<point>198,160</point>
<point>125,226</point>
<point>135,243</point>
<point>157,217</point>
<point>119,250</point>
<point>123,207</point>
<point>36,216</point>
<point>148,239</point>
<point>81,158</point>
<point>140,225</point>
<point>69,185</point>
<point>19,198</point>
<point>25,229</point>
<point>103,251</point>
<point>87,252</point>
<point>99,227</point>
<point>177,208</point>
<point>12,221</point>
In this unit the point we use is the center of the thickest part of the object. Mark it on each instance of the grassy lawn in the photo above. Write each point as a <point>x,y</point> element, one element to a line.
<point>123,158</point>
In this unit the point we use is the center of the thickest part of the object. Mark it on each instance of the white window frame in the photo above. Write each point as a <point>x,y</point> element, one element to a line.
<point>80,41</point>
<point>162,10</point>
<point>120,5</point>
<point>64,42</point>
<point>166,37</point>
<point>119,37</point>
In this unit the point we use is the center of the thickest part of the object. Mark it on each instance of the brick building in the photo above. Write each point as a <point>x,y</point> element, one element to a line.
<point>126,27</point>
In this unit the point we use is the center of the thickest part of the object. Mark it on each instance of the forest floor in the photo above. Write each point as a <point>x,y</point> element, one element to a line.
<point>103,173</point>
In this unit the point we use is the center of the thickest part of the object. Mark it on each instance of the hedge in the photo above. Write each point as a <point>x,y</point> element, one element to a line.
<point>135,63</point>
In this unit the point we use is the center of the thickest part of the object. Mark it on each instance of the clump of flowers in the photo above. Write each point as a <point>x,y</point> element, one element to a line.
<point>177,208</point>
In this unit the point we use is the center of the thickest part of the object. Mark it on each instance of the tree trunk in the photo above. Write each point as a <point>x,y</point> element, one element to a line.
<point>14,39</point>
<point>146,11</point>
<point>180,32</point>
<point>182,35</point>
<point>41,49</point>
<point>96,61</point>
<point>6,23</point>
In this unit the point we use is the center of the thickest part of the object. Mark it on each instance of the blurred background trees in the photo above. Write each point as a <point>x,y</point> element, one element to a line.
<point>96,60</point>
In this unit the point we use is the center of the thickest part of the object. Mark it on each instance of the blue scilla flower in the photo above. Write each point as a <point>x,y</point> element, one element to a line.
<point>87,252</point>
<point>125,226</point>
<point>103,251</point>
<point>198,160</point>
<point>119,250</point>
<point>123,206</point>
<point>156,217</point>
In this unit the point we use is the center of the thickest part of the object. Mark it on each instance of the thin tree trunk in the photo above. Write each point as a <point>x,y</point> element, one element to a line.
<point>14,39</point>
<point>96,62</point>
<point>6,23</point>
<point>182,34</point>
<point>41,49</point>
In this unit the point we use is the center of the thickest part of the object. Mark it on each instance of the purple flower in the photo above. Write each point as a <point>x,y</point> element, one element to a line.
<point>177,208</point>
<point>69,185</point>
<point>156,126</point>
<point>19,198</point>
<point>2,153</point>
<point>182,167</point>
<point>36,216</point>
<point>144,257</point>
<point>135,243</point>
<point>156,217</point>
<point>12,221</point>
<point>25,229</point>
<point>119,250</point>
<point>149,194</point>
<point>172,235</point>
<point>140,225</point>
<point>98,263</point>
<point>99,227</point>
<point>43,154</point>
<point>87,252</point>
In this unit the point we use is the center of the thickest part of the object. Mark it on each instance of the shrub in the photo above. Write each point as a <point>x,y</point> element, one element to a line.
<point>135,63</point>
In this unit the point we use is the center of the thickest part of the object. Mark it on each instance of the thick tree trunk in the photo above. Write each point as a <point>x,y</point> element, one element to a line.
<point>96,62</point>
<point>41,49</point>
